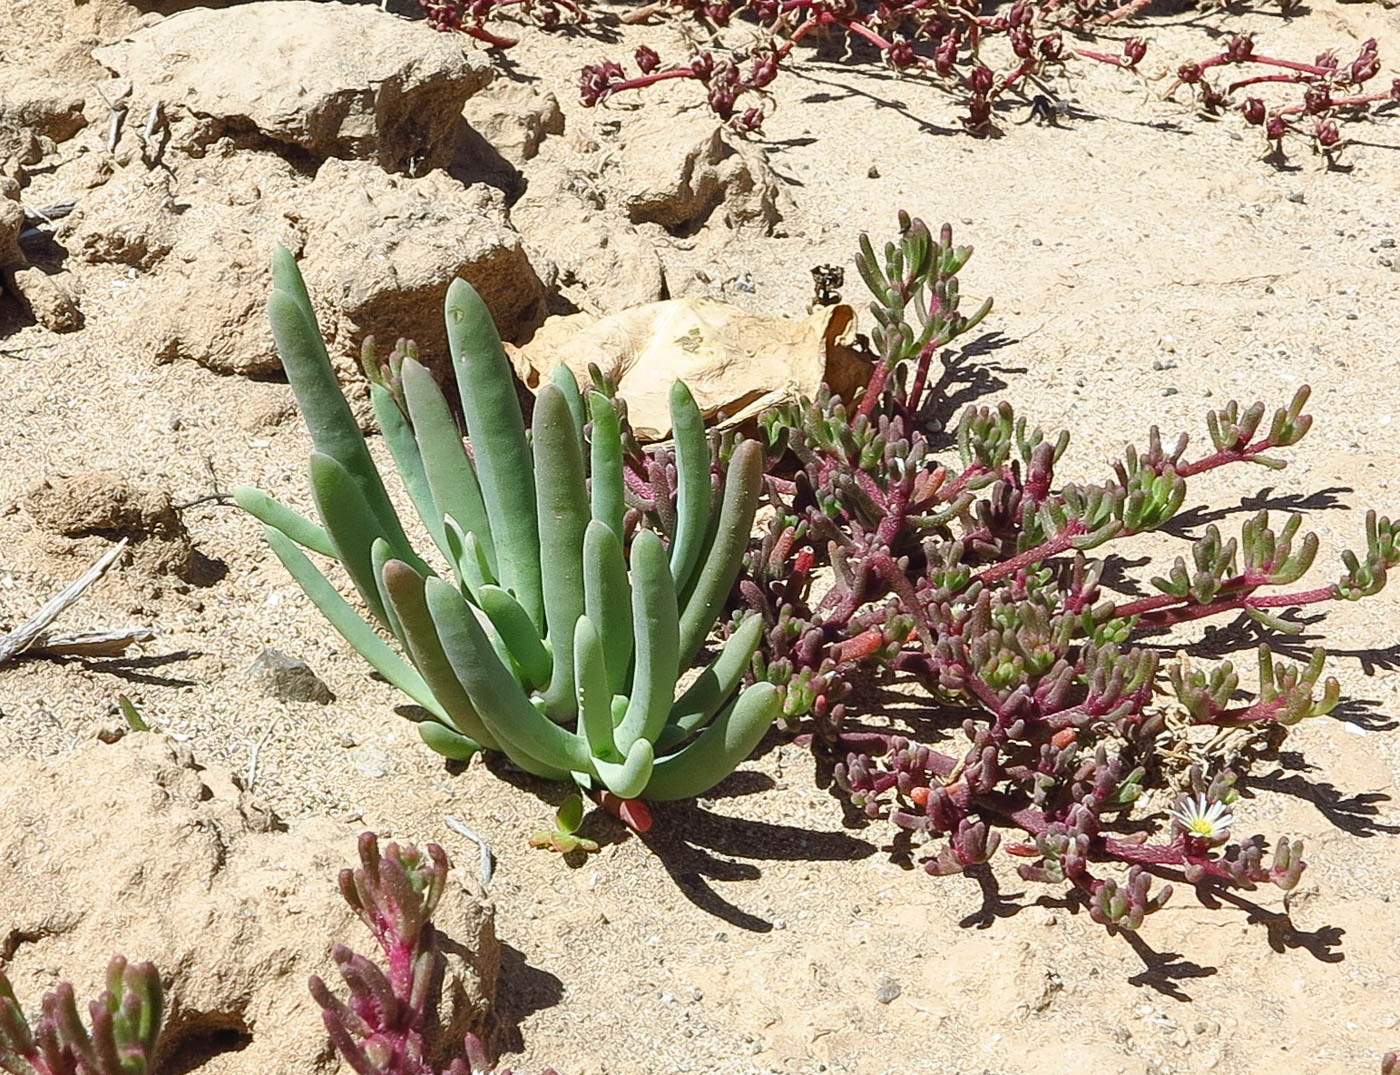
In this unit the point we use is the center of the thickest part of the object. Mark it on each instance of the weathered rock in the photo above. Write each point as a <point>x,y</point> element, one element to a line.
<point>288,678</point>
<point>47,299</point>
<point>309,79</point>
<point>129,220</point>
<point>11,224</point>
<point>134,847</point>
<point>42,104</point>
<point>103,502</point>
<point>377,251</point>
<point>381,250</point>
<point>514,119</point>
<point>600,265</point>
<point>680,172</point>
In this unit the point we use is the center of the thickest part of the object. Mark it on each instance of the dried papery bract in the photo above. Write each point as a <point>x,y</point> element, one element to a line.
<point>380,1031</point>
<point>558,631</point>
<point>970,572</point>
<point>123,1028</point>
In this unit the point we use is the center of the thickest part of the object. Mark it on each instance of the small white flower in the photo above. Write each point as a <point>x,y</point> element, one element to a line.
<point>1203,819</point>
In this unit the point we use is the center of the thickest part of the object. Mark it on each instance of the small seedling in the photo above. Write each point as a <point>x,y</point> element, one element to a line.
<point>564,836</point>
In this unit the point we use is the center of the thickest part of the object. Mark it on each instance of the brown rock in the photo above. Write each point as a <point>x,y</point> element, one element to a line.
<point>313,80</point>
<point>103,502</point>
<point>514,119</point>
<point>32,100</point>
<point>134,847</point>
<point>600,265</point>
<point>377,250</point>
<point>48,299</point>
<point>381,250</point>
<point>130,220</point>
<point>680,172</point>
<point>11,224</point>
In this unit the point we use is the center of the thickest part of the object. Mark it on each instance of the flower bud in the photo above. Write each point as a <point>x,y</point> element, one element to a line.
<point>1253,110</point>
<point>1326,133</point>
<point>647,59</point>
<point>1189,73</point>
<point>982,79</point>
<point>1134,49</point>
<point>1317,99</point>
<point>1240,48</point>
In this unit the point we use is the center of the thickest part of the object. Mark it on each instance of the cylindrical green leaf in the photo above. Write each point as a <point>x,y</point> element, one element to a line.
<point>403,446</point>
<point>334,431</point>
<point>716,752</point>
<point>529,737</point>
<point>446,742</point>
<point>518,633</point>
<point>404,593</point>
<point>566,382</point>
<point>724,557</point>
<point>607,600</point>
<point>693,490</point>
<point>605,464</point>
<point>450,476</point>
<point>656,629</point>
<point>712,688</point>
<point>497,433</point>
<point>562,507</point>
<point>594,697</point>
<point>277,515</point>
<point>629,779</point>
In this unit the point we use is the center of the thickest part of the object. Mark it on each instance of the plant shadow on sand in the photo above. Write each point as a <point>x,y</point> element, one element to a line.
<point>697,846</point>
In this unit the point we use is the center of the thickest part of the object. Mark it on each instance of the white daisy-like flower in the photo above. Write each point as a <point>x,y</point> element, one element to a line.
<point>1203,819</point>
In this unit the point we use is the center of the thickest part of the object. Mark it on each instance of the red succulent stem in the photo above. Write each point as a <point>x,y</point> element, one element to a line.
<point>1157,611</point>
<point>1103,57</point>
<point>1063,542</point>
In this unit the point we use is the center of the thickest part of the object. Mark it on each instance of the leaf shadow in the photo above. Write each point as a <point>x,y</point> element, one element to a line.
<point>1184,523</point>
<point>698,846</point>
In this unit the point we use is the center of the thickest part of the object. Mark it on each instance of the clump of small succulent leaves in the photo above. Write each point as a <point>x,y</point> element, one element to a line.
<point>1326,92</point>
<point>124,1026</point>
<point>970,572</point>
<point>380,1031</point>
<point>560,628</point>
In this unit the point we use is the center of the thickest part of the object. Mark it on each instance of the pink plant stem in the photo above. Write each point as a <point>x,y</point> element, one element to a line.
<point>1154,611</point>
<point>1293,65</point>
<point>1242,83</point>
<point>642,81</point>
<point>1342,102</point>
<point>1056,545</point>
<point>1103,57</point>
<point>1118,14</point>
<point>1222,458</point>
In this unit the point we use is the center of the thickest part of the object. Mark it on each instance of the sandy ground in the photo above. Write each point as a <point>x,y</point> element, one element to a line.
<point>1147,266</point>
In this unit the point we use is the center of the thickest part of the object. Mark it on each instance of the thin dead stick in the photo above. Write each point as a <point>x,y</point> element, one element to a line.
<point>488,861</point>
<point>253,757</point>
<point>24,635</point>
<point>88,643</point>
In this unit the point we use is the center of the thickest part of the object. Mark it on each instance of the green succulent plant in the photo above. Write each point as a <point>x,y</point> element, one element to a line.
<point>547,639</point>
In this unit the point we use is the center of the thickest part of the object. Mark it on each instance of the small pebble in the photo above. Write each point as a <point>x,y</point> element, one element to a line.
<point>886,989</point>
<point>1169,391</point>
<point>287,678</point>
<point>1296,197</point>
<point>1387,243</point>
<point>874,172</point>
